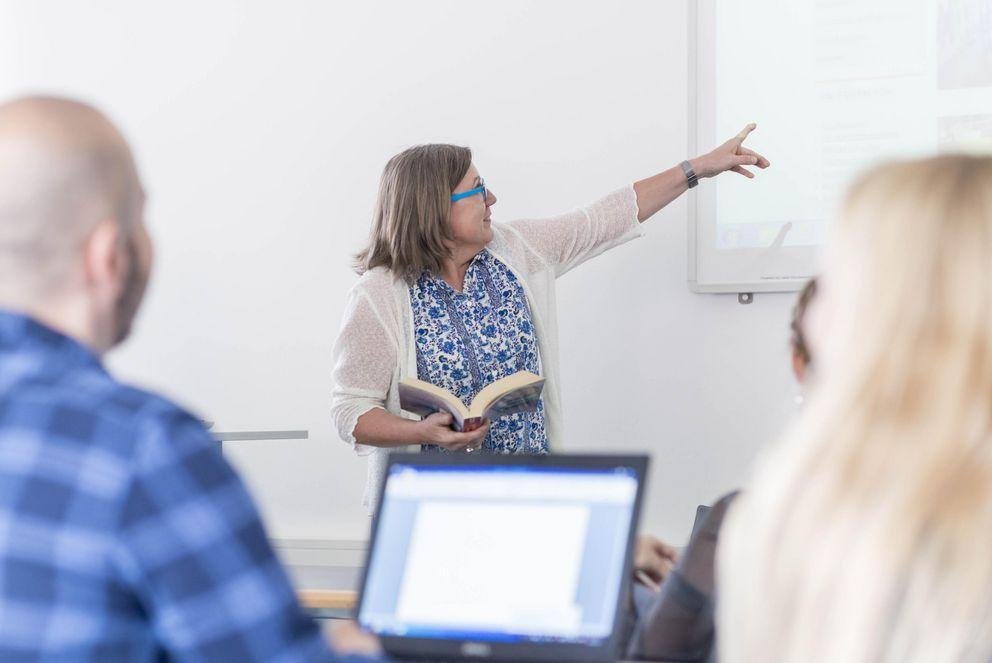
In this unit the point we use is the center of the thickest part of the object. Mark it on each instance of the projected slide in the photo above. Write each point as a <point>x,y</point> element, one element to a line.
<point>837,85</point>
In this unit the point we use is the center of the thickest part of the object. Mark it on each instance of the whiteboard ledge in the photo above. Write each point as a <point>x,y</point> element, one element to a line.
<point>784,285</point>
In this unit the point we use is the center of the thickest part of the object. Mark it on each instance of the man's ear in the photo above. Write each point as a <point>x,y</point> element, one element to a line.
<point>103,261</point>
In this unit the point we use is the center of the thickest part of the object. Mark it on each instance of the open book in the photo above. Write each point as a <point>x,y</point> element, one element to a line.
<point>519,392</point>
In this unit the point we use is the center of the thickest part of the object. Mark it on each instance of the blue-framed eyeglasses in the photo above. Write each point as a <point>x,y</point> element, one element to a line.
<point>455,197</point>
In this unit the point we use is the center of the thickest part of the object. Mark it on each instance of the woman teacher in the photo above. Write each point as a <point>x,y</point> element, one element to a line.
<point>451,298</point>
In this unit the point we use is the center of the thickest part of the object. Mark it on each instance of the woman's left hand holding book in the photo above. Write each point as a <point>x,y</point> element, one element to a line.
<point>437,430</point>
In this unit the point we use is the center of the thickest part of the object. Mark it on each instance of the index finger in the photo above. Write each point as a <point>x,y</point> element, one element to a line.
<point>739,138</point>
<point>440,417</point>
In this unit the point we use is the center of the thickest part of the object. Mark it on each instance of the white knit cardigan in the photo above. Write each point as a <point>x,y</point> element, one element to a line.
<point>375,347</point>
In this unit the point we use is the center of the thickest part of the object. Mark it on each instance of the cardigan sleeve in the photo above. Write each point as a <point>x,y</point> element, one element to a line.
<point>567,240</point>
<point>365,358</point>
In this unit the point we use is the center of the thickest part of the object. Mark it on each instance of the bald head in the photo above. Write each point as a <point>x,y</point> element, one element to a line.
<point>74,252</point>
<point>64,168</point>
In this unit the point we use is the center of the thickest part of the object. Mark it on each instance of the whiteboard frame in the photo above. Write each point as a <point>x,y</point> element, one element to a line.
<point>699,61</point>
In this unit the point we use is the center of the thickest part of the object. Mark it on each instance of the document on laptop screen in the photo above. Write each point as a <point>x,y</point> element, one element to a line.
<point>466,565</point>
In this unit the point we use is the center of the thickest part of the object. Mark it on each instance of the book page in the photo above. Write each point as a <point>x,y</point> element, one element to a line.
<point>524,399</point>
<point>522,390</point>
<point>423,398</point>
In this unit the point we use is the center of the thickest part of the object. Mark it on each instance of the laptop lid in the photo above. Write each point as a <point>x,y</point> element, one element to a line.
<point>505,557</point>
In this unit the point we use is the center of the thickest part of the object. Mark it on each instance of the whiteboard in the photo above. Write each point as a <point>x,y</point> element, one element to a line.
<point>835,87</point>
<point>260,129</point>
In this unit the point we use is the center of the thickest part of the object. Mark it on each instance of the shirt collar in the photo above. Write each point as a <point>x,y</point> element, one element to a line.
<point>471,277</point>
<point>20,333</point>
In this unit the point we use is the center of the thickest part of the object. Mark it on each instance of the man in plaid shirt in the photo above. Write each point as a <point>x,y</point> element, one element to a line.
<point>124,535</point>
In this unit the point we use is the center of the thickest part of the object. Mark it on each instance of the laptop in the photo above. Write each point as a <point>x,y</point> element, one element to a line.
<point>515,557</point>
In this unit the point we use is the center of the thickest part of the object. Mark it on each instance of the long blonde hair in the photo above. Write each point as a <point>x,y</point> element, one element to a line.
<point>866,533</point>
<point>411,224</point>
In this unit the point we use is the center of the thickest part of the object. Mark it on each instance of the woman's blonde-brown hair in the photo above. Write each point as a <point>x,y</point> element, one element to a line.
<point>866,534</point>
<point>410,228</point>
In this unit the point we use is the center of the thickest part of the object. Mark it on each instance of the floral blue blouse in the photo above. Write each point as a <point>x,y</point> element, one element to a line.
<point>466,340</point>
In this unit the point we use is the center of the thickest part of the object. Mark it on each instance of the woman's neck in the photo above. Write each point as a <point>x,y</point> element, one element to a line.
<point>453,270</point>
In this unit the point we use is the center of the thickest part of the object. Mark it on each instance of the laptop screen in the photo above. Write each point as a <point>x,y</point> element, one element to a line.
<point>499,553</point>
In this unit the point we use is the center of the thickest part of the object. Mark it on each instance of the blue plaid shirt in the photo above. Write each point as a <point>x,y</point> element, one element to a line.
<point>124,535</point>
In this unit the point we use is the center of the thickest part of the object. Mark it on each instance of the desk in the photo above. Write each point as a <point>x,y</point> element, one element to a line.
<point>326,592</point>
<point>240,436</point>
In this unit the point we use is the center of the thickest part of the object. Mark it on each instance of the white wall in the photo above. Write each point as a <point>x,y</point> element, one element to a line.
<point>703,380</point>
<point>261,129</point>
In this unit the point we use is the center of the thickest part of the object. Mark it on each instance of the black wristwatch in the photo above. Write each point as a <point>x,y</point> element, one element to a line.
<point>690,174</point>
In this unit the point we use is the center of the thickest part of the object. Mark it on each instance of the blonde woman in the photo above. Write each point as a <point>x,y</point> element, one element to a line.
<point>450,297</point>
<point>866,535</point>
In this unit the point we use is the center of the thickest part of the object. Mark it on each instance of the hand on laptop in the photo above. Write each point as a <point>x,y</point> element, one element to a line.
<point>347,638</point>
<point>437,430</point>
<point>653,559</point>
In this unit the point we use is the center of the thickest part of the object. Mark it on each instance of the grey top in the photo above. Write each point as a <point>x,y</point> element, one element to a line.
<point>679,626</point>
